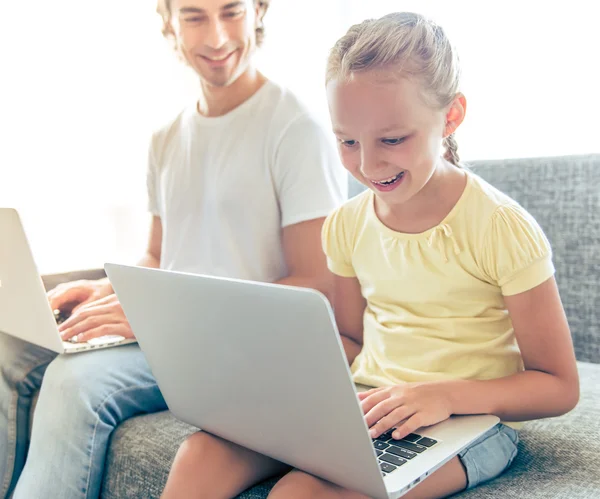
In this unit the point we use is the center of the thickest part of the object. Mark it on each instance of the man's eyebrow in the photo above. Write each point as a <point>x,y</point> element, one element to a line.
<point>233,5</point>
<point>190,10</point>
<point>196,10</point>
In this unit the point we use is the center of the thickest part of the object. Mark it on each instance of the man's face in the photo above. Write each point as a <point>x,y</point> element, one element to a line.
<point>216,37</point>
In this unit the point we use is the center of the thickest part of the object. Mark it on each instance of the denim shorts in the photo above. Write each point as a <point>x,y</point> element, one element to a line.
<point>489,455</point>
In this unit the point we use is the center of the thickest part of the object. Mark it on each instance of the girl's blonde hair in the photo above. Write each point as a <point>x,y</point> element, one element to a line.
<point>411,46</point>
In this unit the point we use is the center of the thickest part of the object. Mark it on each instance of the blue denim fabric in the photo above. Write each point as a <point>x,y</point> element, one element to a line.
<point>490,454</point>
<point>83,398</point>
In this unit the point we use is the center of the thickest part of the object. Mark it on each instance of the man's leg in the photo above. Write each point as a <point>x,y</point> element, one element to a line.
<point>22,367</point>
<point>83,398</point>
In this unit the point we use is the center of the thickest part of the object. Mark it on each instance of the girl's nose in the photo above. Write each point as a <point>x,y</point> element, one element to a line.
<point>369,164</point>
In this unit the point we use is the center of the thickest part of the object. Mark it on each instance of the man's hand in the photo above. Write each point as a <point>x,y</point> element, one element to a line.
<point>407,407</point>
<point>99,318</point>
<point>70,296</point>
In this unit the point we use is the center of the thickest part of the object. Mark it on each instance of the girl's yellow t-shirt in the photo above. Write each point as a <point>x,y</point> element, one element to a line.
<point>435,308</point>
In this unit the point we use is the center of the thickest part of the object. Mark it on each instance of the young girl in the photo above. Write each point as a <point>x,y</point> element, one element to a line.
<point>444,289</point>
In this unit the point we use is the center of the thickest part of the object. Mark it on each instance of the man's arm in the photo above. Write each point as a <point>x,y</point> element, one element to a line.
<point>307,266</point>
<point>152,256</point>
<point>104,316</point>
<point>306,263</point>
<point>150,259</point>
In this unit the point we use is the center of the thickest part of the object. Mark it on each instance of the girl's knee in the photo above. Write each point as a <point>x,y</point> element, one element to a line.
<point>198,446</point>
<point>203,453</point>
<point>300,485</point>
<point>210,467</point>
<point>297,484</point>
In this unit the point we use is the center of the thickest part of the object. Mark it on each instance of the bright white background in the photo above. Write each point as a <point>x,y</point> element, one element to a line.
<point>83,84</point>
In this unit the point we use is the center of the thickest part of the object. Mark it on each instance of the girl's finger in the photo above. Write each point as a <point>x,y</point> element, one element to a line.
<point>372,400</point>
<point>381,410</point>
<point>365,394</point>
<point>393,419</point>
<point>410,426</point>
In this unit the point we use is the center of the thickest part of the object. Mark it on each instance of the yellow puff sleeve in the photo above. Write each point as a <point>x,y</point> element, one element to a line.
<point>516,254</point>
<point>336,244</point>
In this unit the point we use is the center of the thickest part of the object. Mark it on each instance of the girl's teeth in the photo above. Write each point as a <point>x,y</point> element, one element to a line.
<point>391,179</point>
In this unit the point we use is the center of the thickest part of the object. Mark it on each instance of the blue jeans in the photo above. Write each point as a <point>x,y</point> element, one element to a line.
<point>490,455</point>
<point>83,398</point>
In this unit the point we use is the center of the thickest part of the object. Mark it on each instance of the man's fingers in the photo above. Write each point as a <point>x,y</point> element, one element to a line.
<point>82,322</point>
<point>104,330</point>
<point>96,302</point>
<point>68,295</point>
<point>91,304</point>
<point>84,314</point>
<point>82,306</point>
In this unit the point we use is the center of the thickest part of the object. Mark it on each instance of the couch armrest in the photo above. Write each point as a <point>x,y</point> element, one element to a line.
<point>52,280</point>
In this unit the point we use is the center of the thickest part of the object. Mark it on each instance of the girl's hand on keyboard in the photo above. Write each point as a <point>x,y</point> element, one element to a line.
<point>406,407</point>
<point>102,317</point>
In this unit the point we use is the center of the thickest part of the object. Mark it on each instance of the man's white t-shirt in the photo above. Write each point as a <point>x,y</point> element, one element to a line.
<point>224,187</point>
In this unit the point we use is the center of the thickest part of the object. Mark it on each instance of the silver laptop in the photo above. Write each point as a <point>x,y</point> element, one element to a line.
<point>24,308</point>
<point>263,366</point>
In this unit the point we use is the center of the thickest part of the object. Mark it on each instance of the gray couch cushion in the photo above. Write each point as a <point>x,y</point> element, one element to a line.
<point>558,458</point>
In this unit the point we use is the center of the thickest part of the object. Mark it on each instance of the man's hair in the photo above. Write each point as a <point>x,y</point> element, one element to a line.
<point>163,7</point>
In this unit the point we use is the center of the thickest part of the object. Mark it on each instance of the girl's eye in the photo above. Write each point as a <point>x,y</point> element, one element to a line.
<point>393,142</point>
<point>195,19</point>
<point>348,143</point>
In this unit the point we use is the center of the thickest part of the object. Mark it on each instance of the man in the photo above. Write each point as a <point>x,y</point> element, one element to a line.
<point>238,185</point>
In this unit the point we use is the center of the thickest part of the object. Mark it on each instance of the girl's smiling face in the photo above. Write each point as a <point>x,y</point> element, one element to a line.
<point>389,137</point>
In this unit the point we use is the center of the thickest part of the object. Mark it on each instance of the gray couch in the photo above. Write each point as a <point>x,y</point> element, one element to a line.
<point>558,458</point>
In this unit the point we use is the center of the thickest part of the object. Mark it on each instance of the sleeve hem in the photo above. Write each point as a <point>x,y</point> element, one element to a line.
<point>528,278</point>
<point>340,269</point>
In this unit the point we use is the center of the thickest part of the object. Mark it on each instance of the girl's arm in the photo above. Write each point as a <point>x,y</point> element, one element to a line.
<point>549,386</point>
<point>349,308</point>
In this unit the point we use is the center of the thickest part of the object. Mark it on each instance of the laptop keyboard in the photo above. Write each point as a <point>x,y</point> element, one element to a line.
<point>73,346</point>
<point>392,454</point>
<point>60,316</point>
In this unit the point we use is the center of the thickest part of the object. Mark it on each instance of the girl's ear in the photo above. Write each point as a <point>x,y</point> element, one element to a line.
<point>455,114</point>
